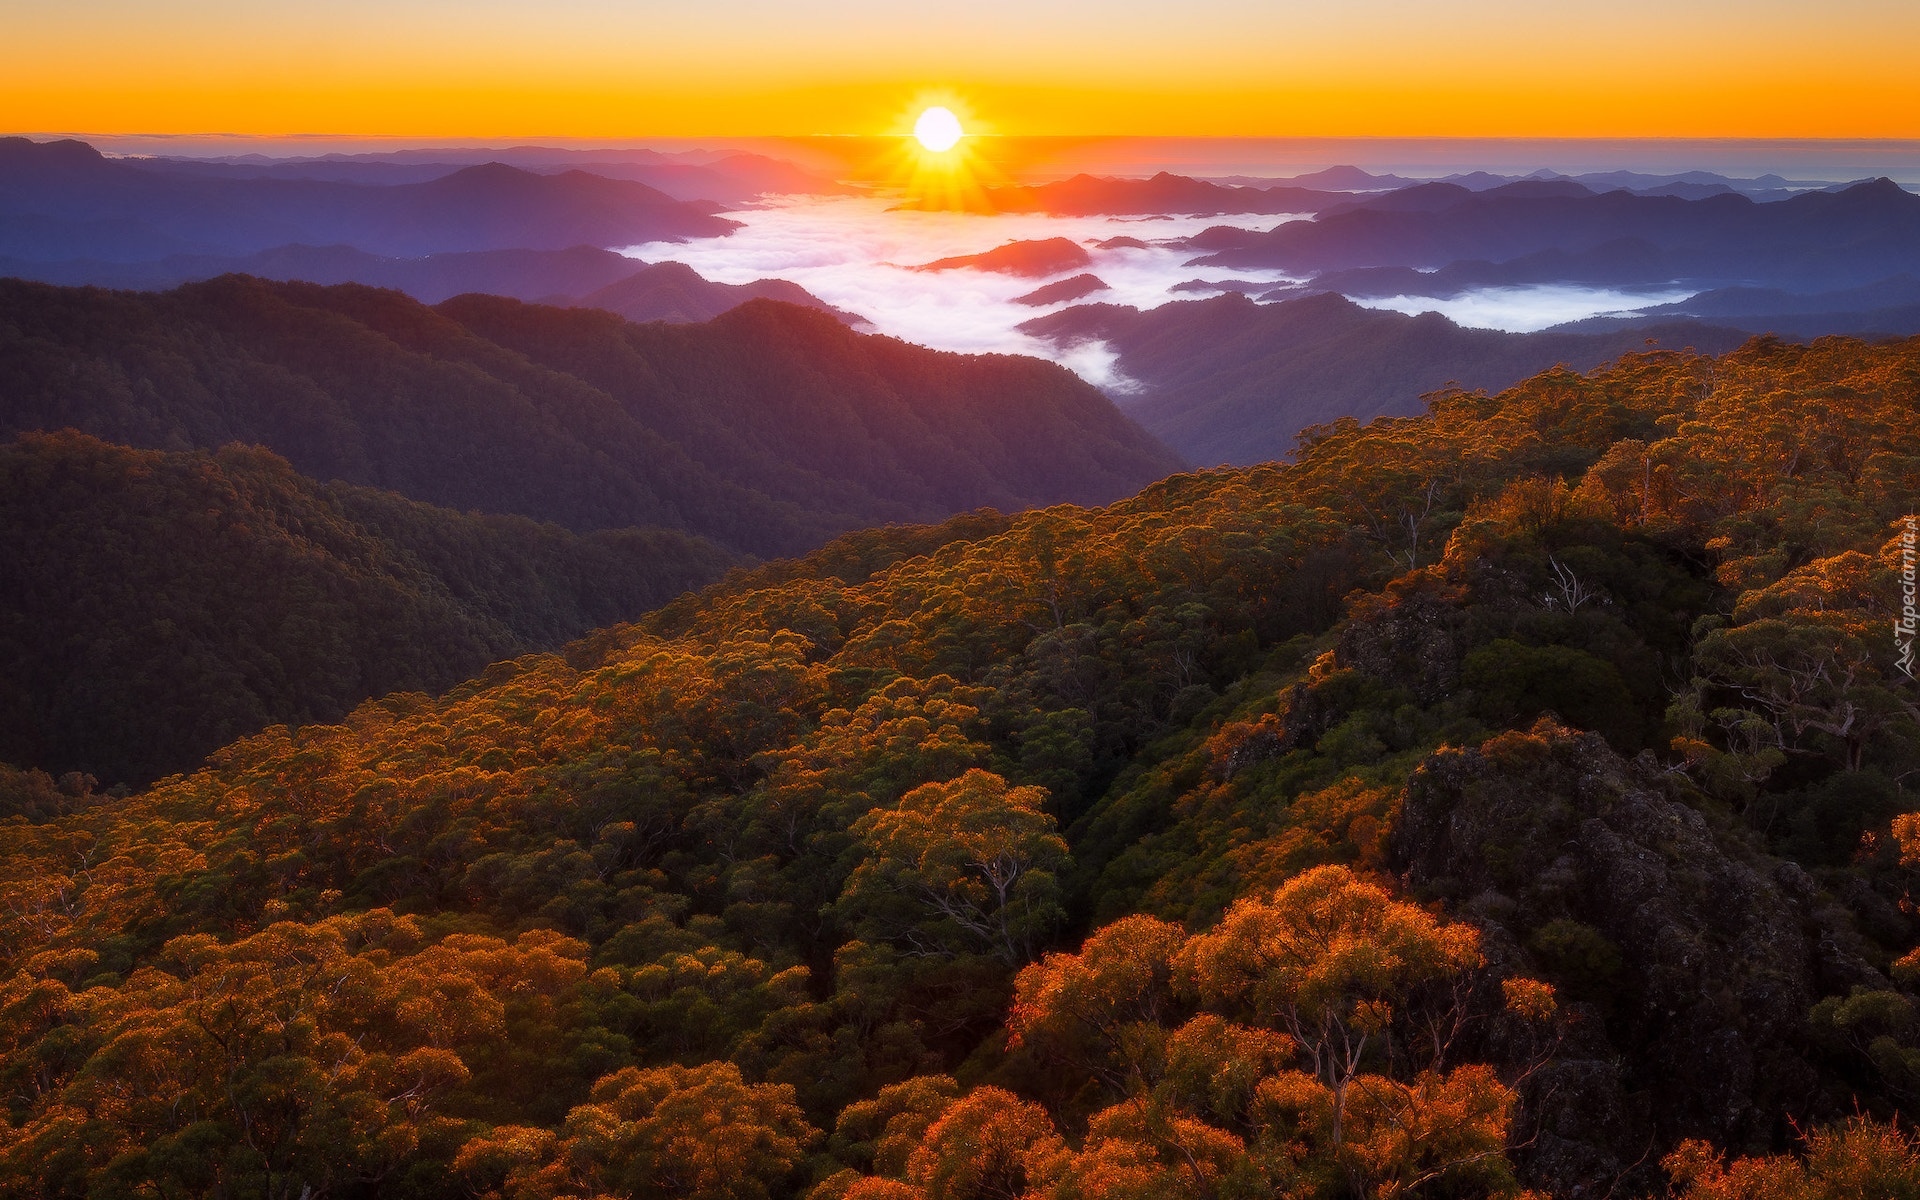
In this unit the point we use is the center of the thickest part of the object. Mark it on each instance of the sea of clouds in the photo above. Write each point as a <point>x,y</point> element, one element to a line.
<point>1530,307</point>
<point>857,254</point>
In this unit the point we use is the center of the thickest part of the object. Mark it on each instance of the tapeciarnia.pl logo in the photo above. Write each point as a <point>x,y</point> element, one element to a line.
<point>1906,624</point>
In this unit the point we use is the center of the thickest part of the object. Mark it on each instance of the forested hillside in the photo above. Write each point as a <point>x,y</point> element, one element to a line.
<point>768,430</point>
<point>158,605</point>
<point>1517,795</point>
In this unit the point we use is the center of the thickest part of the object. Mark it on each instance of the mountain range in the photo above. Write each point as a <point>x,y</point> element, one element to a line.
<point>1231,380</point>
<point>767,430</point>
<point>1691,185</point>
<point>581,275</point>
<point>334,493</point>
<point>1162,194</point>
<point>1887,308</point>
<point>1816,241</point>
<point>725,178</point>
<point>64,201</point>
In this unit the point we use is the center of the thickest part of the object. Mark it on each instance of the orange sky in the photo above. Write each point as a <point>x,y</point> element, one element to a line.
<point>651,68</point>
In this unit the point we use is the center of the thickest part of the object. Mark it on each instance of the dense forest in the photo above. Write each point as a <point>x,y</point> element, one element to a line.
<point>1514,796</point>
<point>159,605</point>
<point>767,431</point>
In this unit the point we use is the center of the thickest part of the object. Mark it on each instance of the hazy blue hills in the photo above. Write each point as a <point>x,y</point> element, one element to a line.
<point>1163,194</point>
<point>161,604</point>
<point>1622,262</point>
<point>1811,242</point>
<point>537,228</point>
<point>1741,302</point>
<point>672,291</point>
<point>767,430</point>
<point>1234,381</point>
<point>1887,308</point>
<point>1692,185</point>
<point>583,275</point>
<point>720,178</point>
<point>63,201</point>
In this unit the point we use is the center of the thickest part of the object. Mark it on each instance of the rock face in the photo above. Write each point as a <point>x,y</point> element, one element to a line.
<point>1691,962</point>
<point>1410,634</point>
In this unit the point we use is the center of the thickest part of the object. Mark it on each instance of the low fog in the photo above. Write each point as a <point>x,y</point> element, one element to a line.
<point>856,253</point>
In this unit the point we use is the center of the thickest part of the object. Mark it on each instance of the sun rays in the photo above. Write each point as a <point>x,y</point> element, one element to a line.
<point>939,164</point>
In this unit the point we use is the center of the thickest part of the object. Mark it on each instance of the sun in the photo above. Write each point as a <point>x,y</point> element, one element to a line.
<point>938,129</point>
<point>945,165</point>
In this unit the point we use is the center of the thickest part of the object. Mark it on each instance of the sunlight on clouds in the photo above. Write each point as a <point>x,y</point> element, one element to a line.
<point>1529,308</point>
<point>856,253</point>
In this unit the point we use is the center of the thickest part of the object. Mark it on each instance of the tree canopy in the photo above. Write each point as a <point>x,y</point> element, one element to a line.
<point>1244,837</point>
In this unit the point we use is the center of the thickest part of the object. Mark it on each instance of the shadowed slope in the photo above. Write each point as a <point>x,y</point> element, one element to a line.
<point>768,430</point>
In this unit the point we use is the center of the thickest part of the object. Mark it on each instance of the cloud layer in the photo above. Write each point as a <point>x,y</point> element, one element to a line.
<point>1524,309</point>
<point>856,253</point>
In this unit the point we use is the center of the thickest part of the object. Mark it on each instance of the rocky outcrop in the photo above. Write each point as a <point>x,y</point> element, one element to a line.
<point>1412,633</point>
<point>1690,960</point>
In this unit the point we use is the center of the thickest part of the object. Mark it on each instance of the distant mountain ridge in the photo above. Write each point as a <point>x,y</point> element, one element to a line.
<point>719,178</point>
<point>1692,185</point>
<point>1229,380</point>
<point>767,431</point>
<point>581,275</point>
<point>64,201</point>
<point>1815,241</point>
<point>1165,193</point>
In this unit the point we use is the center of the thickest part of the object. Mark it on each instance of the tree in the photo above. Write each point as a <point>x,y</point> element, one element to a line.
<point>1807,652</point>
<point>967,864</point>
<point>1374,993</point>
<point>1863,1158</point>
<point>989,1145</point>
<point>687,1133</point>
<point>1101,1011</point>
